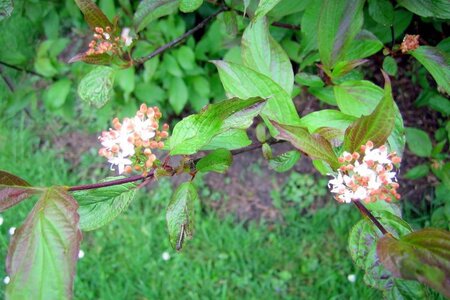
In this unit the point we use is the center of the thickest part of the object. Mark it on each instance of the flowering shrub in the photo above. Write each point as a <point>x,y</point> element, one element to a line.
<point>358,142</point>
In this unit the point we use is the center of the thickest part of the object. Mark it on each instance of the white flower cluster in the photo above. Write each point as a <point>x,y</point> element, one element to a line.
<point>131,142</point>
<point>368,179</point>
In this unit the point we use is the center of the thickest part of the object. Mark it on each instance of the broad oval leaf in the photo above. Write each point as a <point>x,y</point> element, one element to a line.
<point>314,145</point>
<point>178,94</point>
<point>188,6</point>
<point>14,190</point>
<point>99,207</point>
<point>93,15</point>
<point>326,118</point>
<point>339,23</point>
<point>96,87</point>
<point>149,10</point>
<point>423,255</point>
<point>362,246</point>
<point>180,214</point>
<point>382,11</point>
<point>418,142</point>
<point>437,62</point>
<point>243,82</point>
<point>434,8</point>
<point>230,139</point>
<point>357,98</point>
<point>43,251</point>
<point>217,161</point>
<point>263,54</point>
<point>376,127</point>
<point>284,162</point>
<point>196,131</point>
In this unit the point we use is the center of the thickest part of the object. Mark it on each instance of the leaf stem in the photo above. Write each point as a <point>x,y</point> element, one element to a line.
<point>365,212</point>
<point>179,39</point>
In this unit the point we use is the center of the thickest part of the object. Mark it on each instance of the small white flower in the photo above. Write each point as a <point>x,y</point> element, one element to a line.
<point>12,230</point>
<point>120,161</point>
<point>6,280</point>
<point>126,36</point>
<point>351,278</point>
<point>165,256</point>
<point>80,254</point>
<point>1,220</point>
<point>106,35</point>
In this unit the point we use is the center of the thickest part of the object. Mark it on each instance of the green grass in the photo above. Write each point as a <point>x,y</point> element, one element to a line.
<point>304,256</point>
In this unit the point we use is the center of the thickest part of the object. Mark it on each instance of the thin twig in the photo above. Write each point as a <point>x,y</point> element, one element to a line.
<point>152,173</point>
<point>7,80</point>
<point>20,69</point>
<point>365,212</point>
<point>179,39</point>
<point>287,26</point>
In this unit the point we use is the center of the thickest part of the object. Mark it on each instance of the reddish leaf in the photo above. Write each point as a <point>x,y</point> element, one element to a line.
<point>314,145</point>
<point>13,190</point>
<point>44,250</point>
<point>93,15</point>
<point>375,127</point>
<point>423,255</point>
<point>95,59</point>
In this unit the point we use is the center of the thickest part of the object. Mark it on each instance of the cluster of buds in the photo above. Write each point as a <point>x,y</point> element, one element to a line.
<point>367,178</point>
<point>105,42</point>
<point>130,144</point>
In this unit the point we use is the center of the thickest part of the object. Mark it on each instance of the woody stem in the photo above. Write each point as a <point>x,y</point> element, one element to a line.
<point>365,212</point>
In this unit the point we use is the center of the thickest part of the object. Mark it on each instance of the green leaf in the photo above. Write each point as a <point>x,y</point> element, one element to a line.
<point>285,161</point>
<point>309,80</point>
<point>397,138</point>
<point>264,7</point>
<point>344,67</point>
<point>422,255</point>
<point>382,11</point>
<point>326,118</point>
<point>93,15</point>
<point>99,207</point>
<point>44,250</point>
<point>314,145</point>
<point>14,190</point>
<point>217,161</point>
<point>196,131</point>
<point>178,94</point>
<point>357,98</point>
<point>149,10</point>
<point>417,172</point>
<point>418,142</point>
<point>376,127</point>
<point>126,80</point>
<point>55,95</point>
<point>230,21</point>
<point>434,9</point>
<point>390,65</point>
<point>243,82</point>
<point>180,214</point>
<point>363,45</point>
<point>263,54</point>
<point>6,9</point>
<point>406,289</point>
<point>231,139</point>
<point>96,87</point>
<point>186,57</point>
<point>261,133</point>
<point>433,100</point>
<point>362,246</point>
<point>188,6</point>
<point>339,24</point>
<point>325,94</point>
<point>437,62</point>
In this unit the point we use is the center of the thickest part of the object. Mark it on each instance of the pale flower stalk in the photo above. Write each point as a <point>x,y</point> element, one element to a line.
<point>368,178</point>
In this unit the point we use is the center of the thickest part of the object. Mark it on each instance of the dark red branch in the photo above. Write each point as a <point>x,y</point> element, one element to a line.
<point>365,212</point>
